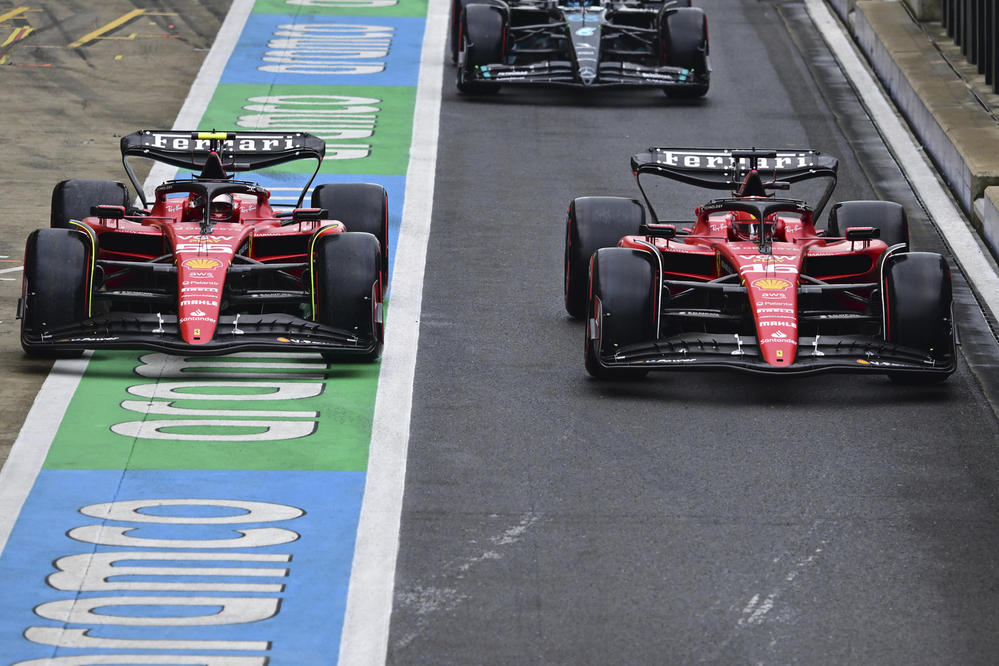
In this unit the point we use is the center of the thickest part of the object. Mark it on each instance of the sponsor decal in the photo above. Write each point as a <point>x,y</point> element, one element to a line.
<point>779,334</point>
<point>592,17</point>
<point>775,257</point>
<point>784,340</point>
<point>671,360</point>
<point>213,284</point>
<point>183,141</point>
<point>204,264</point>
<point>91,339</point>
<point>201,275</point>
<point>203,247</point>
<point>199,302</point>
<point>586,32</point>
<point>206,239</point>
<point>773,295</point>
<point>720,160</point>
<point>210,290</point>
<point>762,310</point>
<point>768,268</point>
<point>295,341</point>
<point>788,324</point>
<point>772,284</point>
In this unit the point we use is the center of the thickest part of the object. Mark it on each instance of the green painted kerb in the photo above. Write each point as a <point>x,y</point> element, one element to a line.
<point>340,437</point>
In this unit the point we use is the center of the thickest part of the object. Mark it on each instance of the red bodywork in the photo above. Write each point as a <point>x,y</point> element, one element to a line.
<point>202,261</point>
<point>771,279</point>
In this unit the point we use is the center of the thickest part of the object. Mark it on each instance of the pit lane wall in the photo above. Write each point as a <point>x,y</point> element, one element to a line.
<point>204,511</point>
<point>961,138</point>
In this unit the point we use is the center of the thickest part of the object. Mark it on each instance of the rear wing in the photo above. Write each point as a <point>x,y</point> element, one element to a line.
<point>725,168</point>
<point>238,151</point>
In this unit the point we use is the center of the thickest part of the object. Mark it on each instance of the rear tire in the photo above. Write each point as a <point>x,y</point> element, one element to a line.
<point>361,207</point>
<point>480,38</point>
<point>887,216</point>
<point>918,308</point>
<point>684,34</point>
<point>56,285</point>
<point>593,223</point>
<point>72,199</point>
<point>348,289</point>
<point>621,309</point>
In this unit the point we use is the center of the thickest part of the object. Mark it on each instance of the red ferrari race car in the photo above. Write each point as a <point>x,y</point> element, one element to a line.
<point>209,266</point>
<point>750,284</point>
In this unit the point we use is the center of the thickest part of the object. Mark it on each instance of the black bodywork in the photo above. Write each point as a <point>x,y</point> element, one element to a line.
<point>587,44</point>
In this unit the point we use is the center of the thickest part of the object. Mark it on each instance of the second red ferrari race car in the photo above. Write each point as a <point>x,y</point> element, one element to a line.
<point>750,284</point>
<point>210,266</point>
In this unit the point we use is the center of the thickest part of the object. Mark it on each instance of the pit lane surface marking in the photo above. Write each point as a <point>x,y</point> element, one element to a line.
<point>120,21</point>
<point>965,245</point>
<point>369,602</point>
<point>13,14</point>
<point>333,515</point>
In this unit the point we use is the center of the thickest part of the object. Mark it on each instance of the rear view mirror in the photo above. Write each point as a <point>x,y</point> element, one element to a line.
<point>307,214</point>
<point>659,230</point>
<point>108,212</point>
<point>862,233</point>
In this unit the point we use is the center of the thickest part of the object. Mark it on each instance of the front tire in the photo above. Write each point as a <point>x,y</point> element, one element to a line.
<point>593,223</point>
<point>621,309</point>
<point>56,286</point>
<point>918,309</point>
<point>480,38</point>
<point>347,290</point>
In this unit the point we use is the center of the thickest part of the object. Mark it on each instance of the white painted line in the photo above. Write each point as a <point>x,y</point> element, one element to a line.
<point>364,641</point>
<point>40,427</point>
<point>204,86</point>
<point>963,242</point>
<point>11,270</point>
<point>32,444</point>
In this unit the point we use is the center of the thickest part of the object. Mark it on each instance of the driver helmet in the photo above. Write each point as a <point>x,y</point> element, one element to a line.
<point>221,208</point>
<point>747,227</point>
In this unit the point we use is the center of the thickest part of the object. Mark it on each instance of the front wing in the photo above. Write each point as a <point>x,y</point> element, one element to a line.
<point>267,332</point>
<point>563,73</point>
<point>816,355</point>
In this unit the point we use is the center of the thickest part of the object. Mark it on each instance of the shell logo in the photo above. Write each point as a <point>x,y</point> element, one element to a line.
<point>772,285</point>
<point>202,264</point>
